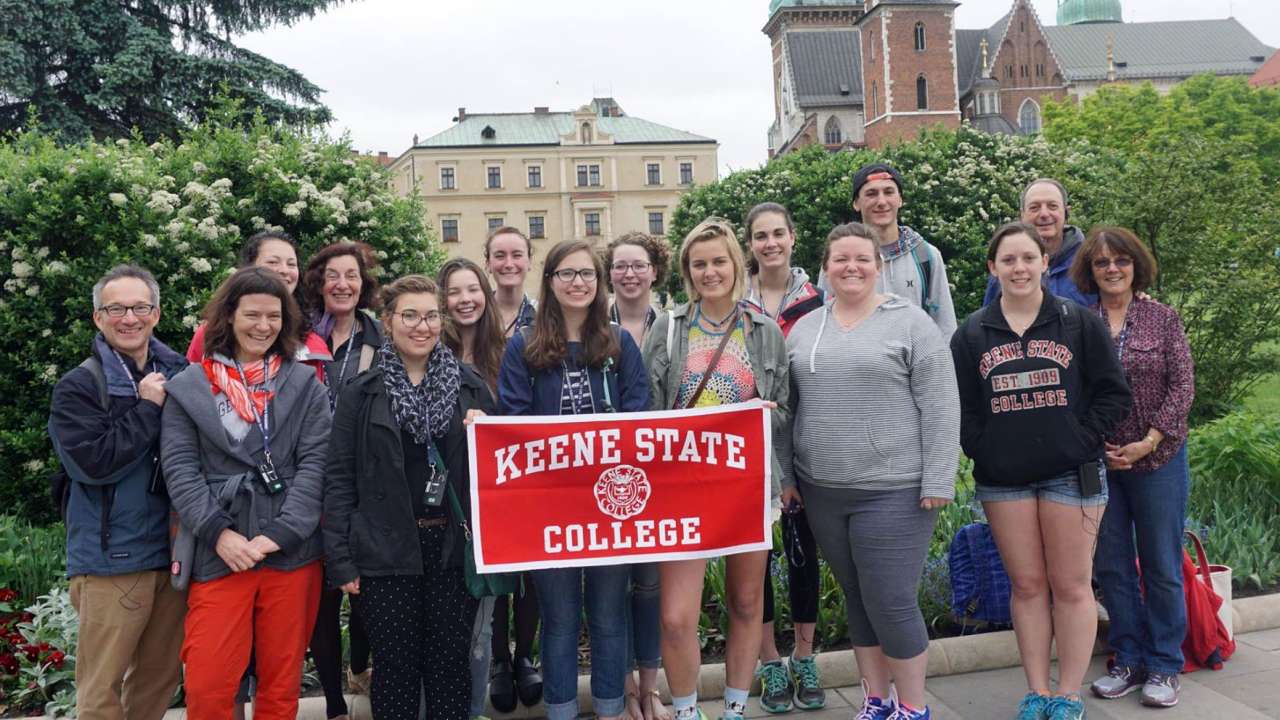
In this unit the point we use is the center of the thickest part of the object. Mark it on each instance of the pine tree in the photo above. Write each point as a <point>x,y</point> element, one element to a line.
<point>100,68</point>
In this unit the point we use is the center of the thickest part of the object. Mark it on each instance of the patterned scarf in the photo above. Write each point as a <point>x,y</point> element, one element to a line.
<point>423,410</point>
<point>225,379</point>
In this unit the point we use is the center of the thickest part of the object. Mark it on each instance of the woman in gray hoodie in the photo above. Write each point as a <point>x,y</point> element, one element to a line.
<point>870,374</point>
<point>244,442</point>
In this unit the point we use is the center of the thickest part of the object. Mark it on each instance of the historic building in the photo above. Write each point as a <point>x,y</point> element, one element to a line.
<point>592,174</point>
<point>854,73</point>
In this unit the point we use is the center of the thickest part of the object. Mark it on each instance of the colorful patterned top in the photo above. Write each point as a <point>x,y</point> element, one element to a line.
<point>731,381</point>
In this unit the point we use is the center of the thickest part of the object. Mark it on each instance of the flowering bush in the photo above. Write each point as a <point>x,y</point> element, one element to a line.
<point>37,654</point>
<point>180,209</point>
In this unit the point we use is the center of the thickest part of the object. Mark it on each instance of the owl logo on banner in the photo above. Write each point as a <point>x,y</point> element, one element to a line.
<point>622,491</point>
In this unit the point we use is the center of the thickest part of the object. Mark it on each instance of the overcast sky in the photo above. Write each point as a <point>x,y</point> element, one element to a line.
<point>392,68</point>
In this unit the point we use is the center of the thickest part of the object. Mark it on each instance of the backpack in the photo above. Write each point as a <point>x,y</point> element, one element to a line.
<point>1207,644</point>
<point>980,587</point>
<point>60,481</point>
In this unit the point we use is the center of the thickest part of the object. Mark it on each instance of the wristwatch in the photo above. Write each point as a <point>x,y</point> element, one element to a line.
<point>1152,441</point>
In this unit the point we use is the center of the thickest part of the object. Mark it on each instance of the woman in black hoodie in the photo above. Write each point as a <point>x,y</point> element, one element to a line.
<point>1039,389</point>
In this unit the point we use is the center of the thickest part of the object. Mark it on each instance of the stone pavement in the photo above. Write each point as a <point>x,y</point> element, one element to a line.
<point>1246,688</point>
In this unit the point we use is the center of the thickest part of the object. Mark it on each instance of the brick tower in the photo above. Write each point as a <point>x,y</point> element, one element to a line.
<point>908,68</point>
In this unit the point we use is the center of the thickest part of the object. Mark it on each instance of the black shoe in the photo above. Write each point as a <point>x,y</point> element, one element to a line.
<point>528,682</point>
<point>502,687</point>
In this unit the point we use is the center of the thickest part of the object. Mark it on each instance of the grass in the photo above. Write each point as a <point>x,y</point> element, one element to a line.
<point>1265,398</point>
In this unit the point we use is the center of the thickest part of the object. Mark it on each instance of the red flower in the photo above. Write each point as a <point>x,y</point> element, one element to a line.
<point>57,657</point>
<point>26,617</point>
<point>7,594</point>
<point>9,664</point>
<point>31,651</point>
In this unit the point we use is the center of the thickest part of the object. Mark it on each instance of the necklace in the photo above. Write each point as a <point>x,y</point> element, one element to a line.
<point>713,323</point>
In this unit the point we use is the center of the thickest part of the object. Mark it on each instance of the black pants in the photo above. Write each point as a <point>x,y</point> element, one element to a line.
<point>326,648</point>
<point>802,570</point>
<point>526,622</point>
<point>420,630</point>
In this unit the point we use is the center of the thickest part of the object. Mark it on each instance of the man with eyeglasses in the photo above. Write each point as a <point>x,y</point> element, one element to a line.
<point>104,422</point>
<point>1044,206</point>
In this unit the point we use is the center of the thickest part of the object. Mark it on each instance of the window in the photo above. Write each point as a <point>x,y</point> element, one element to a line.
<point>588,175</point>
<point>1029,117</point>
<point>653,174</point>
<point>922,93</point>
<point>875,100</point>
<point>686,173</point>
<point>872,46</point>
<point>535,176</point>
<point>1039,70</point>
<point>582,176</point>
<point>919,36</point>
<point>447,179</point>
<point>496,222</point>
<point>831,135</point>
<point>655,224</point>
<point>537,227</point>
<point>495,176</point>
<point>591,221</point>
<point>1008,71</point>
<point>449,229</point>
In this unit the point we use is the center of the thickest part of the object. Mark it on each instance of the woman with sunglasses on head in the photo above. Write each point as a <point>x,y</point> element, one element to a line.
<point>339,288</point>
<point>473,332</point>
<point>784,293</point>
<point>1146,470</point>
<point>635,261</point>
<point>245,434</point>
<point>1040,390</point>
<point>718,353</point>
<point>573,362</point>
<point>399,450</point>
<point>508,256</point>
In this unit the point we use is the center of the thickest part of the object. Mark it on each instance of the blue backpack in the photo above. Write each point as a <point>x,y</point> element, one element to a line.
<point>980,586</point>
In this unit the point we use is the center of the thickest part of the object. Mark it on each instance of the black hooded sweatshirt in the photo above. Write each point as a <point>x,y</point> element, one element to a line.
<point>1037,406</point>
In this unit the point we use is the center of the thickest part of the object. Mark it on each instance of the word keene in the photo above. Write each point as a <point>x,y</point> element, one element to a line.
<point>696,446</point>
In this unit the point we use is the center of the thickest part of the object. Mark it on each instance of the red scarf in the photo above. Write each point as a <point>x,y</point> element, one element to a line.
<point>226,379</point>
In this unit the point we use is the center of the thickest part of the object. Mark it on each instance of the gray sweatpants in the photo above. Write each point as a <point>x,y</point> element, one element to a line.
<point>876,543</point>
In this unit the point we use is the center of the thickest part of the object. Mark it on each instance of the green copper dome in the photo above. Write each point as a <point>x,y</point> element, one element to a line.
<point>775,4</point>
<point>1076,12</point>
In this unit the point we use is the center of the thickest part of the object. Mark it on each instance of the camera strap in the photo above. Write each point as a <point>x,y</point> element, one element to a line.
<point>263,420</point>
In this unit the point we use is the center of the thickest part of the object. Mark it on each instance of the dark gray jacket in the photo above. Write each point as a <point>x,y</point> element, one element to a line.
<point>200,460</point>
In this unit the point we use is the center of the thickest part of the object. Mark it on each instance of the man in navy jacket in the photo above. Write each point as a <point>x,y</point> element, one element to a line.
<point>1044,205</point>
<point>105,425</point>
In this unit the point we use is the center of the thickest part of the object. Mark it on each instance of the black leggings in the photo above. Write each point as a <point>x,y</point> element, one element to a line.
<point>326,648</point>
<point>802,570</point>
<point>526,622</point>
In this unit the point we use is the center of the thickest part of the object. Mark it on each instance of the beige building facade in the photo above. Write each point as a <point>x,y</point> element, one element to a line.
<point>591,174</point>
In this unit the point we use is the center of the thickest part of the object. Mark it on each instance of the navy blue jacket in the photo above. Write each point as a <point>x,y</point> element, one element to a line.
<point>1057,279</point>
<point>110,454</point>
<point>518,395</point>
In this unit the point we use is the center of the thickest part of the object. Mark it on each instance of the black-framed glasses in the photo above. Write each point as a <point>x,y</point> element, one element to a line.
<point>117,310</point>
<point>413,318</point>
<point>566,275</point>
<point>637,267</point>
<point>1122,262</point>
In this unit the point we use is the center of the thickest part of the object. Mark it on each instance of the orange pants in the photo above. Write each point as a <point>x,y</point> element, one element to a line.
<point>270,612</point>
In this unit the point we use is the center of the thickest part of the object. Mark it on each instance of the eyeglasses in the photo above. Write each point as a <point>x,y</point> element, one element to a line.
<point>140,310</point>
<point>413,318</point>
<point>567,275</point>
<point>1122,262</point>
<point>638,267</point>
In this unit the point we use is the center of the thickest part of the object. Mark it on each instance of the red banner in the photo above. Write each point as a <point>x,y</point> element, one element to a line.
<point>575,490</point>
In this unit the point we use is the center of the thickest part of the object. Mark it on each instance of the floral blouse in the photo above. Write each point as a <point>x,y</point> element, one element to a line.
<point>1156,357</point>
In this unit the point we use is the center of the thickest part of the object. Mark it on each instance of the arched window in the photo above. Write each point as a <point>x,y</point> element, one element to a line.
<point>1029,117</point>
<point>922,93</point>
<point>831,134</point>
<point>586,133</point>
<point>919,36</point>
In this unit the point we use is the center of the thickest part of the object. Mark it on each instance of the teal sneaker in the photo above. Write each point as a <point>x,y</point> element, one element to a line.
<point>1062,707</point>
<point>1034,706</point>
<point>775,687</point>
<point>807,682</point>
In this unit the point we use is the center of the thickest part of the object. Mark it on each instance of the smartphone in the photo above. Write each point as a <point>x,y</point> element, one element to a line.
<point>1090,479</point>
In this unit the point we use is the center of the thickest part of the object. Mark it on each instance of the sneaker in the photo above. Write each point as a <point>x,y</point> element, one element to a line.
<point>1119,681</point>
<point>1034,706</point>
<point>874,708</point>
<point>904,714</point>
<point>1063,707</point>
<point>775,687</point>
<point>808,683</point>
<point>1161,690</point>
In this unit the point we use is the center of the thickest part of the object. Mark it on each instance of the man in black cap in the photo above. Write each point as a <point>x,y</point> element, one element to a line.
<point>913,268</point>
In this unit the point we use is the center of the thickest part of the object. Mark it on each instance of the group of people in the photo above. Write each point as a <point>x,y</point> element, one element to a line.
<point>312,444</point>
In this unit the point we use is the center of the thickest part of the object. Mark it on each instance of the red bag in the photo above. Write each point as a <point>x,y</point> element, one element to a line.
<point>1207,644</point>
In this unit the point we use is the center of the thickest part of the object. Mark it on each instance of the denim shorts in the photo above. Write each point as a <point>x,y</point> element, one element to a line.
<point>1063,489</point>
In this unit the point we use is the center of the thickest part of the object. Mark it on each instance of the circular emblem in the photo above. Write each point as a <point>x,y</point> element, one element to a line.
<point>622,491</point>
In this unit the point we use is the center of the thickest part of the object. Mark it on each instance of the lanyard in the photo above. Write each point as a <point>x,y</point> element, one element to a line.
<point>336,387</point>
<point>782,304</point>
<point>1123,337</point>
<point>129,373</point>
<point>263,421</point>
<point>576,394</point>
